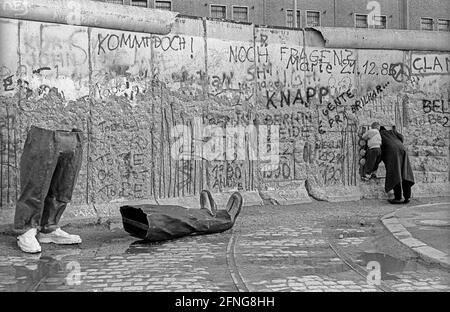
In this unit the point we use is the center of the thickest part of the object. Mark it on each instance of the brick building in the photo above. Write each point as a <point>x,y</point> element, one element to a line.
<point>433,15</point>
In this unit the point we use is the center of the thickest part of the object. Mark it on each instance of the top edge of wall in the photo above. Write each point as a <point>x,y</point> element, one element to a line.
<point>357,38</point>
<point>137,19</point>
<point>382,39</point>
<point>92,14</point>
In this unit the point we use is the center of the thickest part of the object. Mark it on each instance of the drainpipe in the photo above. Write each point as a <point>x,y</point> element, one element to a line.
<point>334,13</point>
<point>90,14</point>
<point>264,12</point>
<point>404,11</point>
<point>295,14</point>
<point>406,3</point>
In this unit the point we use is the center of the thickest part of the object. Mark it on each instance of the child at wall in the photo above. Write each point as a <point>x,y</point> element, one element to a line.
<point>373,156</point>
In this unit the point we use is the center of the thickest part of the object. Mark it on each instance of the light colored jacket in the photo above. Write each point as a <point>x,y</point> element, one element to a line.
<point>373,138</point>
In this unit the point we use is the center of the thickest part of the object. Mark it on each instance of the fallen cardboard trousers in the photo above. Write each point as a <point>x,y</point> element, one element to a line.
<point>156,223</point>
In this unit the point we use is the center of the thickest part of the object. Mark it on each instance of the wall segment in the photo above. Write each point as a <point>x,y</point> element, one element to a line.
<point>129,90</point>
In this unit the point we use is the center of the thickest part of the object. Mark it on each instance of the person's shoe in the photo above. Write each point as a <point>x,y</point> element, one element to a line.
<point>366,177</point>
<point>59,237</point>
<point>395,201</point>
<point>407,200</point>
<point>28,243</point>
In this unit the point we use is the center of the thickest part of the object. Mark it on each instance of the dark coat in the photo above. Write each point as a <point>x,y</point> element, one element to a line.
<point>395,158</point>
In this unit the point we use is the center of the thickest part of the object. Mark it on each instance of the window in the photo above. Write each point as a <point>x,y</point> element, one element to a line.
<point>218,11</point>
<point>361,21</point>
<point>115,1</point>
<point>163,5</point>
<point>290,19</point>
<point>312,18</point>
<point>140,3</point>
<point>240,13</point>
<point>426,23</point>
<point>443,25</point>
<point>379,21</point>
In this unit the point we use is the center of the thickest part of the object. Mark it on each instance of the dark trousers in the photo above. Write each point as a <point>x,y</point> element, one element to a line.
<point>49,168</point>
<point>155,223</point>
<point>159,223</point>
<point>373,159</point>
<point>405,186</point>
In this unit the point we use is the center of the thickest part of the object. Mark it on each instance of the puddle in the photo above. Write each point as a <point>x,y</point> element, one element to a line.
<point>45,271</point>
<point>31,276</point>
<point>302,264</point>
<point>351,233</point>
<point>389,266</point>
<point>433,222</point>
<point>326,269</point>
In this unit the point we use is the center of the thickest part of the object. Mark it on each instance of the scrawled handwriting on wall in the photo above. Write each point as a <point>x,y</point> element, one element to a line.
<point>112,42</point>
<point>430,64</point>
<point>437,111</point>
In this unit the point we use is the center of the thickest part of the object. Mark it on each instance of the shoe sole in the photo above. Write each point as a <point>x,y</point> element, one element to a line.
<point>396,203</point>
<point>50,241</point>
<point>29,251</point>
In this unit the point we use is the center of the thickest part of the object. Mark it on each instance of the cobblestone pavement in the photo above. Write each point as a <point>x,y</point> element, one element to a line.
<point>271,248</point>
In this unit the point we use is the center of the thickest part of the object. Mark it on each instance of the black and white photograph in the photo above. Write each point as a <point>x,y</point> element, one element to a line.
<point>224,152</point>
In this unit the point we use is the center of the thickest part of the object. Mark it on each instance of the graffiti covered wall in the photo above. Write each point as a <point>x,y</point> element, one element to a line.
<point>128,91</point>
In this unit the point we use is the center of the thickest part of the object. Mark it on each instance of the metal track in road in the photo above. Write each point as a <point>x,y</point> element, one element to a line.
<point>356,267</point>
<point>241,286</point>
<point>238,280</point>
<point>35,287</point>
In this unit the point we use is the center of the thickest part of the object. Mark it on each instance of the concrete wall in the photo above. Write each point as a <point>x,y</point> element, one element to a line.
<point>126,91</point>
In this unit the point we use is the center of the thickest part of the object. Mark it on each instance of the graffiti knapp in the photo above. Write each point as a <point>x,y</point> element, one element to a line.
<point>302,97</point>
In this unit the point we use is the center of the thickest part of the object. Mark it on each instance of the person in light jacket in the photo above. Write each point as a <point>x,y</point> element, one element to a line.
<point>373,156</point>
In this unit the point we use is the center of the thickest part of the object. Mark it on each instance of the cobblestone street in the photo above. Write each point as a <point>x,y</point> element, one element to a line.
<point>303,248</point>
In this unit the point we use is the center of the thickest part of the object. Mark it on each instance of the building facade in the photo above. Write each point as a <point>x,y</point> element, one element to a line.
<point>432,15</point>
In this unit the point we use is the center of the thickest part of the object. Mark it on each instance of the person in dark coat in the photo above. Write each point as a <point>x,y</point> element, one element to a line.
<point>399,174</point>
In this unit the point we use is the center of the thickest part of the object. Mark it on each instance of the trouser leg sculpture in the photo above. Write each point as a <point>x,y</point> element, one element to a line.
<point>49,168</point>
<point>159,223</point>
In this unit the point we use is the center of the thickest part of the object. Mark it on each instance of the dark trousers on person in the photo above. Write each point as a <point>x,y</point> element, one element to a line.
<point>49,168</point>
<point>405,186</point>
<point>373,159</point>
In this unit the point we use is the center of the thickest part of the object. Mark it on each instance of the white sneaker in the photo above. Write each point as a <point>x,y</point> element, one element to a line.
<point>59,237</point>
<point>28,243</point>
